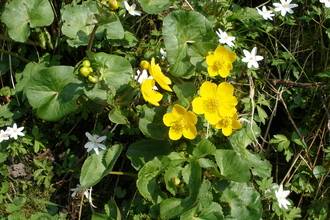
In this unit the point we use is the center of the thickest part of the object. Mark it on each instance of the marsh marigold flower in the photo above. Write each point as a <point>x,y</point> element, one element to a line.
<point>156,72</point>
<point>215,102</point>
<point>227,124</point>
<point>149,94</point>
<point>181,122</point>
<point>220,63</point>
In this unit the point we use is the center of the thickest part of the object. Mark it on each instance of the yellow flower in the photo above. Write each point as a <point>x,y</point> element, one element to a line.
<point>227,124</point>
<point>220,63</point>
<point>181,122</point>
<point>156,72</point>
<point>215,101</point>
<point>150,95</point>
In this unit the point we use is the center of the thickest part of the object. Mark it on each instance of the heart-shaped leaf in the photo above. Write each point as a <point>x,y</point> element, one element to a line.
<point>20,15</point>
<point>155,6</point>
<point>53,91</point>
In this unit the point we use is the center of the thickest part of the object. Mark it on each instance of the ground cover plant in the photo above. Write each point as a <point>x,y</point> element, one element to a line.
<point>173,109</point>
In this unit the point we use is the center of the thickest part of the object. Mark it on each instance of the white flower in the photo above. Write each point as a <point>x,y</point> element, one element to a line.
<point>14,131</point>
<point>163,53</point>
<point>281,197</point>
<point>3,135</point>
<point>326,2</point>
<point>252,58</point>
<point>284,7</point>
<point>267,14</point>
<point>80,189</point>
<point>143,77</point>
<point>131,9</point>
<point>94,143</point>
<point>225,38</point>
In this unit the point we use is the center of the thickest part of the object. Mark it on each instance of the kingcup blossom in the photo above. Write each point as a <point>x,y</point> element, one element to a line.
<point>266,14</point>
<point>225,38</point>
<point>251,58</point>
<point>94,143</point>
<point>14,131</point>
<point>281,197</point>
<point>131,9</point>
<point>228,124</point>
<point>3,135</point>
<point>181,122</point>
<point>149,94</point>
<point>284,7</point>
<point>326,2</point>
<point>220,62</point>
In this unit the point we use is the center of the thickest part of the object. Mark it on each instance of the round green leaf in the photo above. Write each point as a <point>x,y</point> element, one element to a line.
<point>155,6</point>
<point>20,15</point>
<point>115,70</point>
<point>53,92</point>
<point>319,171</point>
<point>181,29</point>
<point>151,123</point>
<point>243,201</point>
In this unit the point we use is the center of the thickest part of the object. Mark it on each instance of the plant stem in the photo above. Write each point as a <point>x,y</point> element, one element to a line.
<point>89,47</point>
<point>123,173</point>
<point>15,55</point>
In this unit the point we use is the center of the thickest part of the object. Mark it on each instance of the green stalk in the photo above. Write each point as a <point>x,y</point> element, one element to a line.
<point>15,55</point>
<point>123,173</point>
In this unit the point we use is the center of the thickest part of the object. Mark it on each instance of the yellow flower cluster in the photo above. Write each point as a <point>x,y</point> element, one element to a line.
<point>148,93</point>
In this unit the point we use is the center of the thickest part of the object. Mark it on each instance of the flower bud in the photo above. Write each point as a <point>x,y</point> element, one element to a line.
<point>144,64</point>
<point>175,181</point>
<point>114,4</point>
<point>86,63</point>
<point>92,79</point>
<point>84,71</point>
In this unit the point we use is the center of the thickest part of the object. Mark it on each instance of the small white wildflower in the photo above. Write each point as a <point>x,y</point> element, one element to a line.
<point>225,38</point>
<point>14,131</point>
<point>252,58</point>
<point>326,2</point>
<point>163,53</point>
<point>131,9</point>
<point>266,14</point>
<point>281,197</point>
<point>80,189</point>
<point>284,7</point>
<point>3,135</point>
<point>94,143</point>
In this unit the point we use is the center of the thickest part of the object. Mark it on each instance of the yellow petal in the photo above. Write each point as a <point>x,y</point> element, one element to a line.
<point>197,105</point>
<point>150,95</point>
<point>223,72</point>
<point>174,134</point>
<point>208,89</point>
<point>227,131</point>
<point>156,72</point>
<point>191,117</point>
<point>190,132</point>
<point>169,118</point>
<point>213,117</point>
<point>220,51</point>
<point>225,89</point>
<point>178,110</point>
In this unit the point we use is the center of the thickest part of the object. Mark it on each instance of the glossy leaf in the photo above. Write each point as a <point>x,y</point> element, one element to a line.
<point>21,15</point>
<point>181,29</point>
<point>185,93</point>
<point>155,6</point>
<point>96,167</point>
<point>53,92</point>
<point>151,123</point>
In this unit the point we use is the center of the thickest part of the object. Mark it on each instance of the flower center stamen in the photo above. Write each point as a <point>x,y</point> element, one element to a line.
<point>211,105</point>
<point>179,125</point>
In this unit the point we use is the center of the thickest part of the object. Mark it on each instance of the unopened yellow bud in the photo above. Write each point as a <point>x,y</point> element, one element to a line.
<point>144,64</point>
<point>176,181</point>
<point>93,79</point>
<point>114,4</point>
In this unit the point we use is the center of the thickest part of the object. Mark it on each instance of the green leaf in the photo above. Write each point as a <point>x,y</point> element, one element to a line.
<point>324,74</point>
<point>185,93</point>
<point>181,29</point>
<point>169,174</point>
<point>117,115</point>
<point>96,167</point>
<point>198,53</point>
<point>53,91</point>
<point>98,216</point>
<point>240,139</point>
<point>151,123</point>
<point>232,165</point>
<point>172,207</point>
<point>147,182</point>
<point>20,15</point>
<point>243,201</point>
<point>319,171</point>
<point>143,151</point>
<point>203,148</point>
<point>112,210</point>
<point>155,6</point>
<point>115,70</point>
